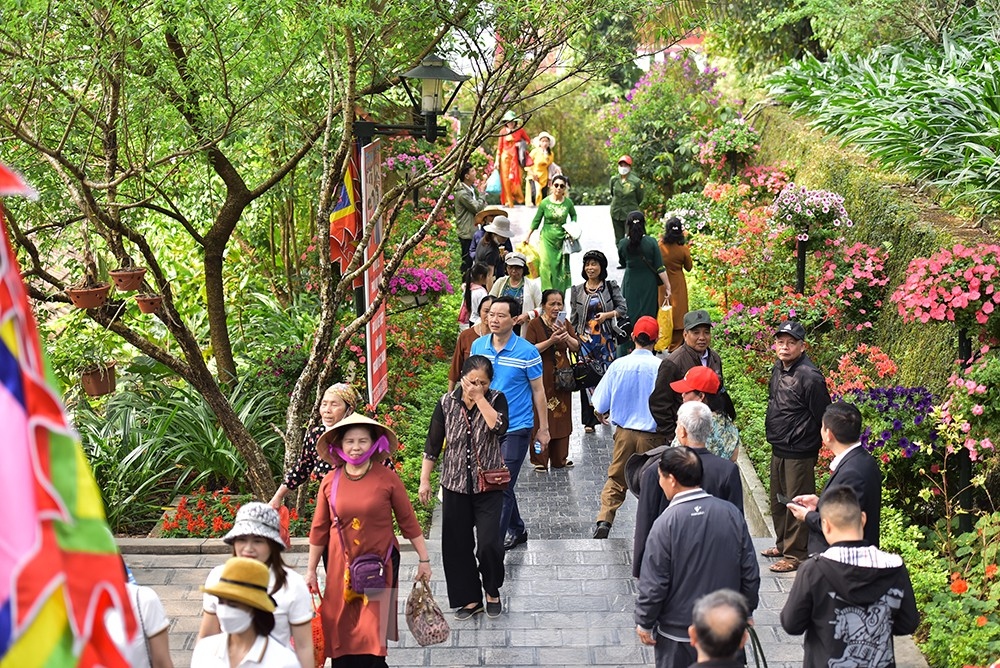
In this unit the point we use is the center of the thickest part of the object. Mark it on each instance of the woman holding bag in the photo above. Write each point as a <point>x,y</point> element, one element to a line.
<point>553,211</point>
<point>554,337</point>
<point>594,306</point>
<point>355,508</point>
<point>472,418</point>
<point>677,259</point>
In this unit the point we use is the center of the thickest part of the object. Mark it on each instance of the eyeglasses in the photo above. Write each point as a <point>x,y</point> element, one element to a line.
<point>559,185</point>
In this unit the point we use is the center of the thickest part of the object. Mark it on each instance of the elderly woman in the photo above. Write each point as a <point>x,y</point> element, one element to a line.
<point>357,503</point>
<point>472,419</point>
<point>339,401</point>
<point>538,172</point>
<point>552,214</point>
<point>493,247</point>
<point>527,291</point>
<point>246,618</point>
<point>644,270</point>
<point>554,337</point>
<point>677,259</point>
<point>256,535</point>
<point>594,306</point>
<point>465,339</point>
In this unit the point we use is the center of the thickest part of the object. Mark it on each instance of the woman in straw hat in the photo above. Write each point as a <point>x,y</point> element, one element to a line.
<point>364,497</point>
<point>339,401</point>
<point>538,172</point>
<point>246,616</point>
<point>256,535</point>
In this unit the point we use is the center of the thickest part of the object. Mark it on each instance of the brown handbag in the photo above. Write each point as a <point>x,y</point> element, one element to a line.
<point>490,480</point>
<point>424,617</point>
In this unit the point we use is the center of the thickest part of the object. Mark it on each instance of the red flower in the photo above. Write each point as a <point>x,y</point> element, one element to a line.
<point>981,620</point>
<point>959,586</point>
<point>991,570</point>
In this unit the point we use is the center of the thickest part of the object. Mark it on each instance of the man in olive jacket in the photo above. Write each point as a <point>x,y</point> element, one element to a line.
<point>468,202</point>
<point>695,351</point>
<point>626,196</point>
<point>796,400</point>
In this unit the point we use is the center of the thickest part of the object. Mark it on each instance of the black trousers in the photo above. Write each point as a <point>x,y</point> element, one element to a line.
<point>587,416</point>
<point>466,260</point>
<point>461,549</point>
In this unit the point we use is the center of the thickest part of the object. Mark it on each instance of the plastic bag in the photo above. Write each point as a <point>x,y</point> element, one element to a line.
<point>319,644</point>
<point>665,321</point>
<point>531,255</point>
<point>493,183</point>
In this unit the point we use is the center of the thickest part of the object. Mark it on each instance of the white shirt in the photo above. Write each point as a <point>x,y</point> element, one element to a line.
<point>213,652</point>
<point>150,616</point>
<point>836,460</point>
<point>293,601</point>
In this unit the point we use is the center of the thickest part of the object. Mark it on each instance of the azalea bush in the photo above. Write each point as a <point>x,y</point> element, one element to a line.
<point>861,369</point>
<point>766,181</point>
<point>957,285</point>
<point>814,214</point>
<point>728,147</point>
<point>419,281</point>
<point>856,275</point>
<point>205,514</point>
<point>692,209</point>
<point>975,400</point>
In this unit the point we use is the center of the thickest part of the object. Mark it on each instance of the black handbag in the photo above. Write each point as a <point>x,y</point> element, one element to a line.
<point>587,371</point>
<point>566,380</point>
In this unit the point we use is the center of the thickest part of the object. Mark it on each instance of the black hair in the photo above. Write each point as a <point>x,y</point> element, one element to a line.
<point>683,464</point>
<point>839,506</point>
<point>673,232</point>
<point>263,622</point>
<point>598,257</point>
<point>635,223</point>
<point>720,637</point>
<point>464,170</point>
<point>515,306</point>
<point>478,271</point>
<point>844,420</point>
<point>488,299</point>
<point>274,562</point>
<point>560,176</point>
<point>642,339</point>
<point>480,362</point>
<point>548,293</point>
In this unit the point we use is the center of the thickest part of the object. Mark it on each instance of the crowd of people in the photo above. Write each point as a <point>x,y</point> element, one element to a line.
<point>514,375</point>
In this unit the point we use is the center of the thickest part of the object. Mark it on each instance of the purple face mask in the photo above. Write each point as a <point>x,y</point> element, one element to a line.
<point>380,445</point>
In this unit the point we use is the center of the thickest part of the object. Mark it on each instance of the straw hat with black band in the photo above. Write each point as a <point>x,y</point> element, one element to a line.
<point>491,213</point>
<point>244,581</point>
<point>328,444</point>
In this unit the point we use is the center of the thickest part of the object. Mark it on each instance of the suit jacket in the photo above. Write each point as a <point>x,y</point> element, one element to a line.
<point>720,478</point>
<point>859,471</point>
<point>664,402</point>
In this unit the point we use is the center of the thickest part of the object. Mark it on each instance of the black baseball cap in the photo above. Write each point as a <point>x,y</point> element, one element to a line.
<point>793,329</point>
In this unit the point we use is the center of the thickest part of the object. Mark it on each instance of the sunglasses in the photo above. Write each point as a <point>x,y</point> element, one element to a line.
<point>559,185</point>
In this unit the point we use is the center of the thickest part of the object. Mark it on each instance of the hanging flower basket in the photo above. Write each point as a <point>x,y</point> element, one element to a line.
<point>89,297</point>
<point>149,303</point>
<point>98,380</point>
<point>410,284</point>
<point>416,300</point>
<point>128,279</point>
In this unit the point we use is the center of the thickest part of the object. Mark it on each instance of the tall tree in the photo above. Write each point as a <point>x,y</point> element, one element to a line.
<point>135,118</point>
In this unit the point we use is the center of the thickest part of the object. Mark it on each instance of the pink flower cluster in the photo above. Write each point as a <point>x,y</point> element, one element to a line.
<point>419,282</point>
<point>856,275</point>
<point>958,284</point>
<point>817,211</point>
<point>767,178</point>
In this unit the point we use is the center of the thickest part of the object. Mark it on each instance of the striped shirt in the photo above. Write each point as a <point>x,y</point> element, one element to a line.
<point>514,367</point>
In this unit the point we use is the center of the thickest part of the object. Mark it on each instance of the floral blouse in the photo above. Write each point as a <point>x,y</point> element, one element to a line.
<point>309,461</point>
<point>724,439</point>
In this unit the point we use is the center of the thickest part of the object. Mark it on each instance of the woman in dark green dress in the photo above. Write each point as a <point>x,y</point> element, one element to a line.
<point>644,270</point>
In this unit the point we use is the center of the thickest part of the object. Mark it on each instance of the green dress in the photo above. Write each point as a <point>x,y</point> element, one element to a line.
<point>639,285</point>
<point>553,264</point>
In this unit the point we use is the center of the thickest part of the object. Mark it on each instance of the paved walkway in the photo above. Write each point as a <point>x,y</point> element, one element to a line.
<point>568,598</point>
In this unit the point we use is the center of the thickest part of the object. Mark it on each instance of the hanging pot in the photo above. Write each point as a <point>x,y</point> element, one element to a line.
<point>99,380</point>
<point>90,297</point>
<point>414,299</point>
<point>127,280</point>
<point>149,303</point>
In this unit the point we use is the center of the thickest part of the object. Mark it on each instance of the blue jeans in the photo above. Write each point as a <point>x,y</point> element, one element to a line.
<point>514,447</point>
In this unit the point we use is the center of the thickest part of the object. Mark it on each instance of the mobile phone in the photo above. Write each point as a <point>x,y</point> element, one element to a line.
<point>785,500</point>
<point>561,319</point>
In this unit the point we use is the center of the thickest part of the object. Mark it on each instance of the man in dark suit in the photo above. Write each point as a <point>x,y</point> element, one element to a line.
<point>720,477</point>
<point>852,466</point>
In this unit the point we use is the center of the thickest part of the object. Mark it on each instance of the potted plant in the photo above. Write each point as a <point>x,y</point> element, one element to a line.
<point>89,294</point>
<point>149,302</point>
<point>418,286</point>
<point>127,278</point>
<point>98,379</point>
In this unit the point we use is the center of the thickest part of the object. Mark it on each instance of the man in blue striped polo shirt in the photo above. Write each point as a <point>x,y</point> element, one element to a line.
<point>517,372</point>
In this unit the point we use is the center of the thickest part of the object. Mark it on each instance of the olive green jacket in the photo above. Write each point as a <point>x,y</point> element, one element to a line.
<point>626,196</point>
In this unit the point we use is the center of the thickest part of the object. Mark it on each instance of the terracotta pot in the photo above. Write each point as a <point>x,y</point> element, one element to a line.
<point>149,303</point>
<point>89,297</point>
<point>98,381</point>
<point>127,280</point>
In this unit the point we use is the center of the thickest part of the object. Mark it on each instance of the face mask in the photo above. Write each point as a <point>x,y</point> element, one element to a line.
<point>623,170</point>
<point>233,620</point>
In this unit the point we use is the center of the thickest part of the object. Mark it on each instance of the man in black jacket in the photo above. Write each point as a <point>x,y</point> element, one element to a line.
<point>850,600</point>
<point>853,467</point>
<point>695,351</point>
<point>795,403</point>
<point>698,545</point>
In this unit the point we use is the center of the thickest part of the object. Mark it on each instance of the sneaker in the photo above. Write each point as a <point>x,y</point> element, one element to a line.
<point>602,530</point>
<point>467,613</point>
<point>493,609</point>
<point>568,464</point>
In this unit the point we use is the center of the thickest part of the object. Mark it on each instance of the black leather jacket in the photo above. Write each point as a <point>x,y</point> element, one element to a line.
<point>795,404</point>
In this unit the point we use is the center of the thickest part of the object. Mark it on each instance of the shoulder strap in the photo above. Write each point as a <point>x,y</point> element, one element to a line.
<point>333,510</point>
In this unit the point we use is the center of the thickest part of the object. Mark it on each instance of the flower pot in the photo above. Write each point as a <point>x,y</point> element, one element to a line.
<point>411,299</point>
<point>99,380</point>
<point>149,303</point>
<point>127,280</point>
<point>91,297</point>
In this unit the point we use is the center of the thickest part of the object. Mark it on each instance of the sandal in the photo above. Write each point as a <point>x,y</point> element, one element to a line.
<point>588,430</point>
<point>541,468</point>
<point>784,566</point>
<point>771,552</point>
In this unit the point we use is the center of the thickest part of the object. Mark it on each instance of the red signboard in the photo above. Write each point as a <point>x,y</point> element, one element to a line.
<point>371,189</point>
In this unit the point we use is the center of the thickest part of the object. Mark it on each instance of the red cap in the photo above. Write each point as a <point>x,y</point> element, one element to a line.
<point>646,325</point>
<point>697,379</point>
<point>627,159</point>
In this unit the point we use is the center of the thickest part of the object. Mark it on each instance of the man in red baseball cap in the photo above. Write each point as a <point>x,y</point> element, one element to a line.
<point>626,196</point>
<point>622,398</point>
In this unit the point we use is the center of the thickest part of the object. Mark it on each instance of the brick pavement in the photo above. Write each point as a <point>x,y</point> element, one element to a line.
<point>568,598</point>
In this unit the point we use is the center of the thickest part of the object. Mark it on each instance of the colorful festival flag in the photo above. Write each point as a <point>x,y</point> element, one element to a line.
<point>59,565</point>
<point>345,219</point>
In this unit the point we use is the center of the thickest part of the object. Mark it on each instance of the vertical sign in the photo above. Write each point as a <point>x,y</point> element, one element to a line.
<point>371,189</point>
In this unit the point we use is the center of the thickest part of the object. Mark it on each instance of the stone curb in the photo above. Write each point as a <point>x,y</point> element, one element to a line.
<point>206,545</point>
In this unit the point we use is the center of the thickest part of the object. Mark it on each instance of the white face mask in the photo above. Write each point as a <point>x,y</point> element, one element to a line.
<point>233,620</point>
<point>623,170</point>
